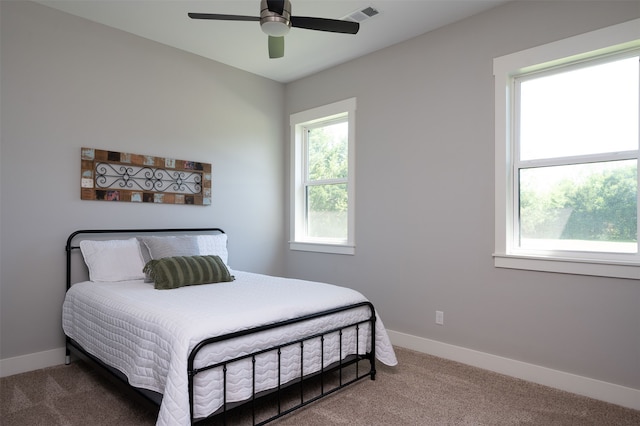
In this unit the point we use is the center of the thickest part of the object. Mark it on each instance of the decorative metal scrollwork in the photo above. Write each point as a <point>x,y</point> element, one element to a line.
<point>154,179</point>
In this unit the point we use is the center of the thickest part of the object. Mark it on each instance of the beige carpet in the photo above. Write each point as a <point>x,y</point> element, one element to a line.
<point>421,390</point>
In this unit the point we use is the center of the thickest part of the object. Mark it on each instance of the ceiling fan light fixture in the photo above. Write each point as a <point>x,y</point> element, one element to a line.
<point>275,28</point>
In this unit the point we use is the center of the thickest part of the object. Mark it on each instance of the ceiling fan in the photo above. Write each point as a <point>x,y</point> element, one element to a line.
<point>276,20</point>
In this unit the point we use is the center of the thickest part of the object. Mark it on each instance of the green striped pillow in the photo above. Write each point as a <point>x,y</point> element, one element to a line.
<point>179,271</point>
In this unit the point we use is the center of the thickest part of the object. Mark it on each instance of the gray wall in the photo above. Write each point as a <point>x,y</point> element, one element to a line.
<point>425,200</point>
<point>67,83</point>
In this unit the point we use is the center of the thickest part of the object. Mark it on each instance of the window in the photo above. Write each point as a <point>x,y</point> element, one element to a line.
<point>322,190</point>
<point>567,151</point>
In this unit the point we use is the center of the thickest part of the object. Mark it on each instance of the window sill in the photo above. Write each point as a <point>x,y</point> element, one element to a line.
<point>568,266</point>
<point>322,247</point>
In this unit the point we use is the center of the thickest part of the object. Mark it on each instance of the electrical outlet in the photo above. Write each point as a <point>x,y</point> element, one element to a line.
<point>439,317</point>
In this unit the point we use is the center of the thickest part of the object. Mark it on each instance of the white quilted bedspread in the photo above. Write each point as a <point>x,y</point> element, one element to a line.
<point>147,334</point>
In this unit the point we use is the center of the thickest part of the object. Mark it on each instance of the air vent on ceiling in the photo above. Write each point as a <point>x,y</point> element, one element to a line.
<point>361,15</point>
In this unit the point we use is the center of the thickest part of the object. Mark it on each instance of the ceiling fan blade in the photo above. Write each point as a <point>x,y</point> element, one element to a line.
<point>323,24</point>
<point>276,47</point>
<point>223,17</point>
<point>276,6</point>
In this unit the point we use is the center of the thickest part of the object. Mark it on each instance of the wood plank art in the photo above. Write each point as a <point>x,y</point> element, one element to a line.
<point>121,176</point>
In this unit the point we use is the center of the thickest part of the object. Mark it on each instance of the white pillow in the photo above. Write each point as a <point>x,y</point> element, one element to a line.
<point>113,260</point>
<point>214,245</point>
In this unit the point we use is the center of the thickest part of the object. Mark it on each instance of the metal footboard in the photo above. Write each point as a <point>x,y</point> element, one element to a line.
<point>337,368</point>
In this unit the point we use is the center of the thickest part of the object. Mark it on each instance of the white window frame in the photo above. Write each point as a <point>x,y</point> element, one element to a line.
<point>617,38</point>
<point>298,122</point>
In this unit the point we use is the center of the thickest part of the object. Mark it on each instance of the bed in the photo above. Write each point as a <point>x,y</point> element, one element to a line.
<point>162,310</point>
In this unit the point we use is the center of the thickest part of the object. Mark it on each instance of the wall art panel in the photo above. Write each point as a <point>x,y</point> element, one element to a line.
<point>121,176</point>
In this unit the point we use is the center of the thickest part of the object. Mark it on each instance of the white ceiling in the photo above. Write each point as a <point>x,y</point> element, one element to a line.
<point>243,45</point>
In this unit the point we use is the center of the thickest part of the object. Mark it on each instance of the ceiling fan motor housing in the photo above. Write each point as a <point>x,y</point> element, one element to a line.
<point>272,23</point>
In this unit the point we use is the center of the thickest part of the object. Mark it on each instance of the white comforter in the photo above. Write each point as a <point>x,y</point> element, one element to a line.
<point>147,334</point>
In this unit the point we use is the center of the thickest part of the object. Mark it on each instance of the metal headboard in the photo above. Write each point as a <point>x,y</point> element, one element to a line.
<point>69,247</point>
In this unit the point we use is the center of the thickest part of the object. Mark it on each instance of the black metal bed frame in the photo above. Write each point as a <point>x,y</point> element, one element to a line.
<point>351,362</point>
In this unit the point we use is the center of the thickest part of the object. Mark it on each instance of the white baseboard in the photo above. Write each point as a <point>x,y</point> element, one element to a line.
<point>597,389</point>
<point>30,362</point>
